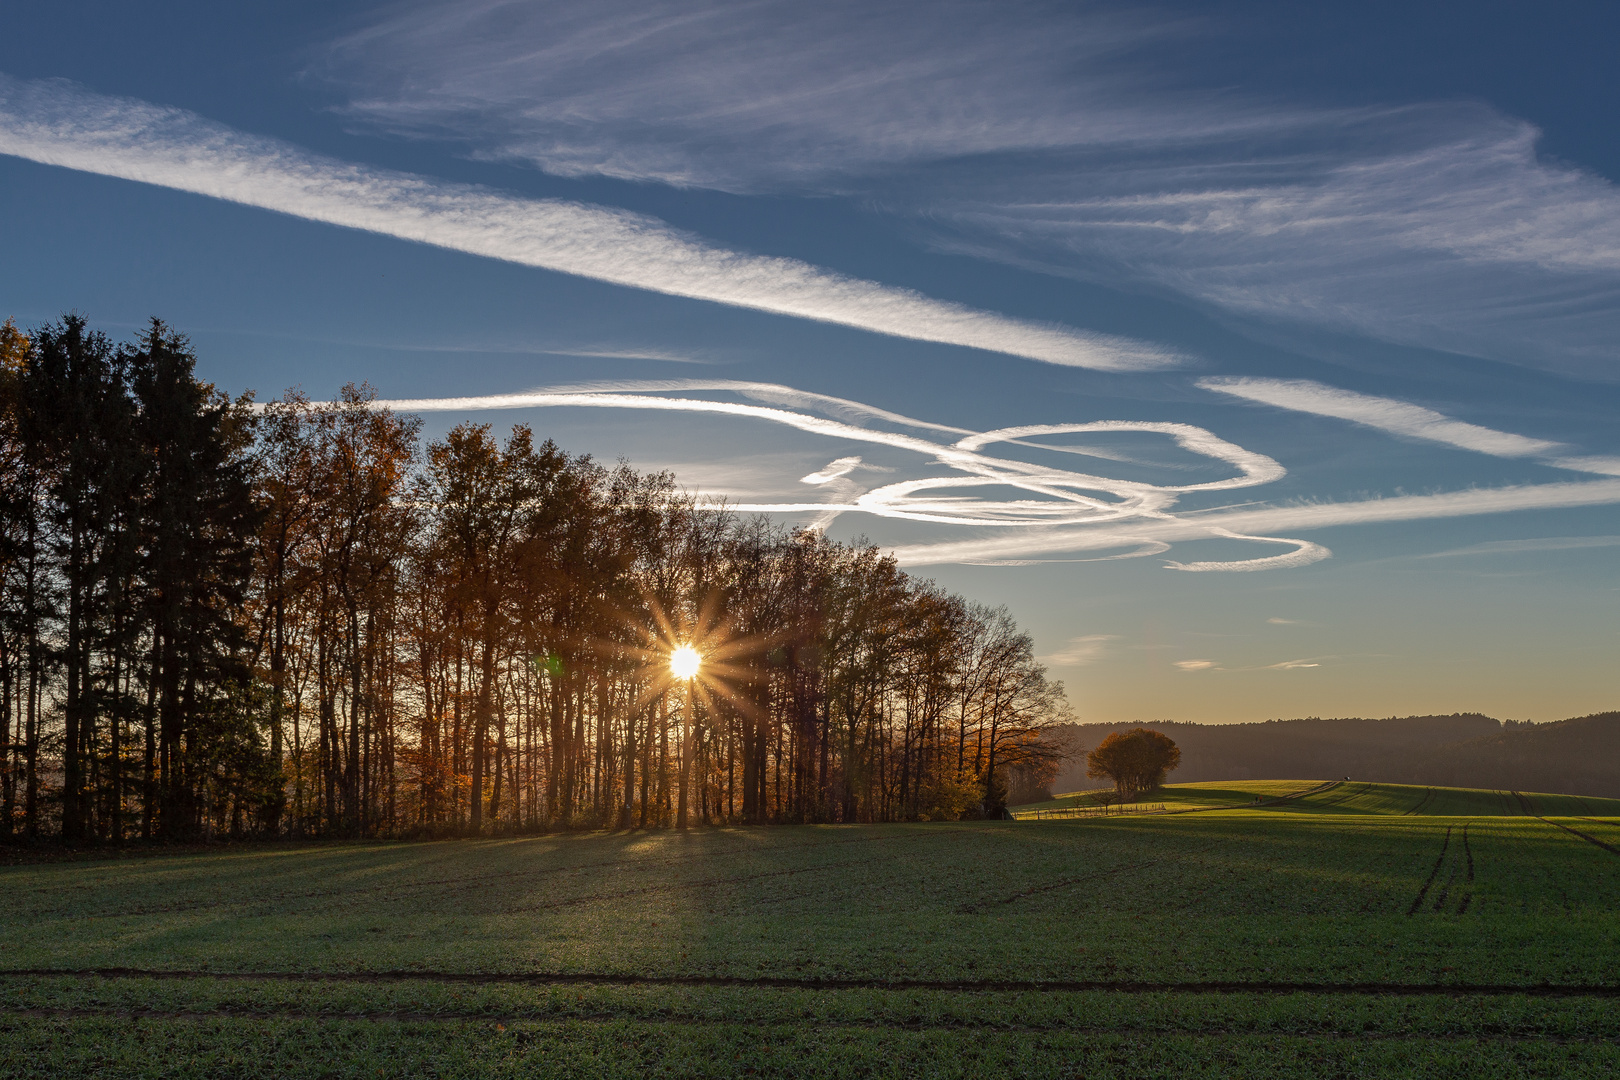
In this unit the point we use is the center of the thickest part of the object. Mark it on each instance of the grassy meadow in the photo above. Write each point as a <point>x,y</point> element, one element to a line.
<point>1363,930</point>
<point>1344,797</point>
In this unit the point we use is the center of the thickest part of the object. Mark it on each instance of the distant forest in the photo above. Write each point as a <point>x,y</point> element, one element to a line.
<point>219,618</point>
<point>1580,756</point>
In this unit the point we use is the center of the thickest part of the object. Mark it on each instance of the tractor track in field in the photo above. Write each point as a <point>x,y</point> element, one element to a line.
<point>1275,800</point>
<point>1468,897</point>
<point>1421,803</point>
<point>1091,878</point>
<point>1427,885</point>
<point>464,883</point>
<point>1530,809</point>
<point>1456,869</point>
<point>1101,875</point>
<point>1326,785</point>
<point>501,1020</point>
<point>1340,797</point>
<point>778,982</point>
<point>707,883</point>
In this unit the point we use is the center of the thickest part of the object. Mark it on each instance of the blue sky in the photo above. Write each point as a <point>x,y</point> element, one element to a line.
<point>1260,357</point>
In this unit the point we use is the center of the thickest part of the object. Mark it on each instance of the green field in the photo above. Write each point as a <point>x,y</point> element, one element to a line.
<point>1319,796</point>
<point>1342,938</point>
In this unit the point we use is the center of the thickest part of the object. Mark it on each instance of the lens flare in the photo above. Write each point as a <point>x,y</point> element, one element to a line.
<point>684,662</point>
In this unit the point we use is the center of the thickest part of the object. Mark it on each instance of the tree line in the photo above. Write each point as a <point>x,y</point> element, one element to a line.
<point>226,618</point>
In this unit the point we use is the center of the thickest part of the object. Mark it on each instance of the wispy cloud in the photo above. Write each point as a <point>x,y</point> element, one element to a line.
<point>1081,651</point>
<point>1517,547</point>
<point>1047,136</point>
<point>56,124</point>
<point>753,96</point>
<point>1286,665</point>
<point>1432,225</point>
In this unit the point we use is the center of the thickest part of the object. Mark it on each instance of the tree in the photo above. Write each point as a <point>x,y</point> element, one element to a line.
<point>197,525</point>
<point>321,630</point>
<point>1136,761</point>
<point>78,424</point>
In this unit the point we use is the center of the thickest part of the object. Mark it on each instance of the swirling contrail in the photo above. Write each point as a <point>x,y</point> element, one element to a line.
<point>1067,514</point>
<point>1059,497</point>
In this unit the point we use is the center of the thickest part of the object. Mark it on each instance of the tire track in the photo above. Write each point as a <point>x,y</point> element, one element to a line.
<point>1327,785</point>
<point>574,901</point>
<point>1099,875</point>
<point>1468,897</point>
<point>1312,1031</point>
<point>1598,990</point>
<point>1610,848</point>
<point>1421,803</point>
<point>1530,809</point>
<point>983,905</point>
<point>1341,797</point>
<point>471,882</point>
<point>1423,892</point>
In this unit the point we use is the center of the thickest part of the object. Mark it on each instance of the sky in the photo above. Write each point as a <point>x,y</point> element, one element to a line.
<point>1261,358</point>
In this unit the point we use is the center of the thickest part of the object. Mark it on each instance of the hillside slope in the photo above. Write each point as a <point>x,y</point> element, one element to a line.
<point>1354,797</point>
<point>1580,756</point>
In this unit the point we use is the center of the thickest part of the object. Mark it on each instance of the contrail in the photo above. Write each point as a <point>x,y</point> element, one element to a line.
<point>1404,418</point>
<point>55,123</point>
<point>1066,512</point>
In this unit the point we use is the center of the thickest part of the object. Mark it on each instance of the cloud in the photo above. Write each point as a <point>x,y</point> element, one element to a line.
<point>1081,651</point>
<point>745,97</point>
<point>832,471</point>
<point>1033,542</point>
<point>1066,138</point>
<point>1430,225</point>
<point>57,124</point>
<point>1385,414</point>
<point>1516,547</point>
<point>1060,513</point>
<point>1286,665</point>
<point>665,355</point>
<point>1405,419</point>
<point>1304,554</point>
<point>1275,621</point>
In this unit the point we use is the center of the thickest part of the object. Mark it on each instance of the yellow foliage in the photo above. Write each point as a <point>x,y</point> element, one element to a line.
<point>13,347</point>
<point>948,795</point>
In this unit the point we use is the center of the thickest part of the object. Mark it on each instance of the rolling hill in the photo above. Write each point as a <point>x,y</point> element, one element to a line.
<point>1580,756</point>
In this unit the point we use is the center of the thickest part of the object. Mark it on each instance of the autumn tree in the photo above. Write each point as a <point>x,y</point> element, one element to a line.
<point>289,620</point>
<point>1136,761</point>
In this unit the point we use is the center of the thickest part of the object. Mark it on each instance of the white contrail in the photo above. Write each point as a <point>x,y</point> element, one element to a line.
<point>1066,512</point>
<point>1036,542</point>
<point>1385,414</point>
<point>57,124</point>
<point>1404,418</point>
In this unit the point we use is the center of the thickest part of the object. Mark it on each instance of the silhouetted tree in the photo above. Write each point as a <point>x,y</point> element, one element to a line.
<point>1136,761</point>
<point>218,618</point>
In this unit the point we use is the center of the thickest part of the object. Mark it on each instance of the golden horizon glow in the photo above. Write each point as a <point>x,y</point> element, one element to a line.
<point>684,662</point>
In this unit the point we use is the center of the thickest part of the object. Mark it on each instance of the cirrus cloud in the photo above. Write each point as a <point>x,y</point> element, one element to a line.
<point>57,124</point>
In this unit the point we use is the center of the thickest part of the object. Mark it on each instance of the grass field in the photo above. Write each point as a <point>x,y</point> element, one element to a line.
<point>1345,938</point>
<point>1307,796</point>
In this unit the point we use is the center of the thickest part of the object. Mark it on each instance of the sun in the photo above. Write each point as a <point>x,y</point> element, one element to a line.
<point>684,662</point>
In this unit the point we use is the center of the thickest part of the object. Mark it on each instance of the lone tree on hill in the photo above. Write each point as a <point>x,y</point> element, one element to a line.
<point>1136,761</point>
